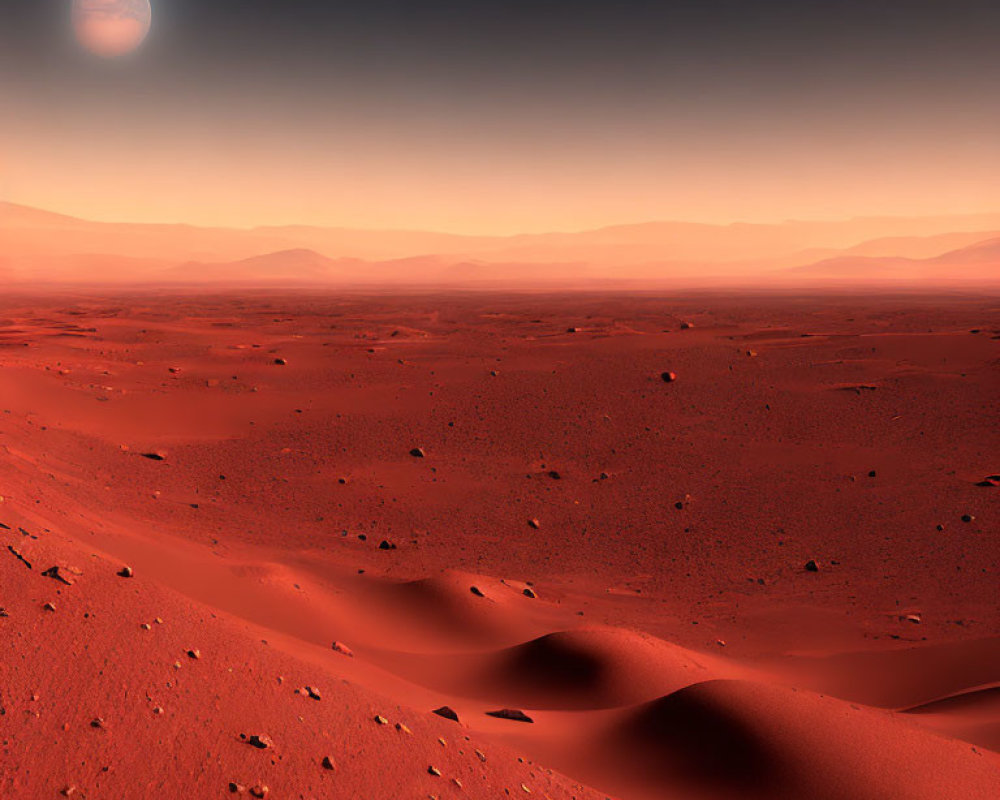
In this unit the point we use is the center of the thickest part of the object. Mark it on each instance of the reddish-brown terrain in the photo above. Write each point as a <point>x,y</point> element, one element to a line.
<point>775,576</point>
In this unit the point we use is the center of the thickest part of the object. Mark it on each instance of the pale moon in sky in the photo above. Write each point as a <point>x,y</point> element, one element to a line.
<point>110,28</point>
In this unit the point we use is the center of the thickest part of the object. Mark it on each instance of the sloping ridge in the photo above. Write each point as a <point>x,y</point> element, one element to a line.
<point>293,264</point>
<point>980,261</point>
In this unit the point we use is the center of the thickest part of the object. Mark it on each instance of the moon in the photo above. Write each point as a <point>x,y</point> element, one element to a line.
<point>111,28</point>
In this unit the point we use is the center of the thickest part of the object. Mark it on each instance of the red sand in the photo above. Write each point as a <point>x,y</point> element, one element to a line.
<point>658,624</point>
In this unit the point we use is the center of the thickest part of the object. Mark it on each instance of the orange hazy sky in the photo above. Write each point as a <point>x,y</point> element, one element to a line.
<point>506,121</point>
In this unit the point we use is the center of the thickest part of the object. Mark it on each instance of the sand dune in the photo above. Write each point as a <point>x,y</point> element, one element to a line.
<point>741,739</point>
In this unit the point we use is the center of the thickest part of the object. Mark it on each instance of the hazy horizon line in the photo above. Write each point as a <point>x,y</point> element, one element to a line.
<point>507,235</point>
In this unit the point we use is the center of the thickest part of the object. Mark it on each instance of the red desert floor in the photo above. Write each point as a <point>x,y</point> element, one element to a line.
<point>620,557</point>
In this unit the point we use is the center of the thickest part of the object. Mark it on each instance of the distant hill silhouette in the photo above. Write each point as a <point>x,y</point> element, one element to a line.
<point>979,262</point>
<point>40,245</point>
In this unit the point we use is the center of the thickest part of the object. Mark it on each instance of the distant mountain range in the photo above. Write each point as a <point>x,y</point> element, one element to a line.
<point>979,262</point>
<point>37,245</point>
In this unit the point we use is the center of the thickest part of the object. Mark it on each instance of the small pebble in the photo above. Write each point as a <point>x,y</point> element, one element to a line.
<point>447,712</point>
<point>343,649</point>
<point>512,714</point>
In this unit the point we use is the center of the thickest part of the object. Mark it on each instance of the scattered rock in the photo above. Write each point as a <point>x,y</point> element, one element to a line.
<point>260,741</point>
<point>236,788</point>
<point>534,523</point>
<point>990,480</point>
<point>476,591</point>
<point>259,791</point>
<point>512,714</point>
<point>343,649</point>
<point>967,518</point>
<point>125,572</point>
<point>529,592</point>
<point>385,544</point>
<point>196,654</point>
<point>555,475</point>
<point>812,566</point>
<point>97,722</point>
<point>403,729</point>
<point>447,712</point>
<point>432,770</point>
<point>329,763</point>
<point>154,456</point>
<point>686,326</point>
<point>417,452</point>
<point>669,377</point>
<point>313,693</point>
<point>19,557</point>
<point>68,791</point>
<point>859,388</point>
<point>279,362</point>
<point>380,720</point>
<point>481,756</point>
<point>49,607</point>
<point>60,574</point>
